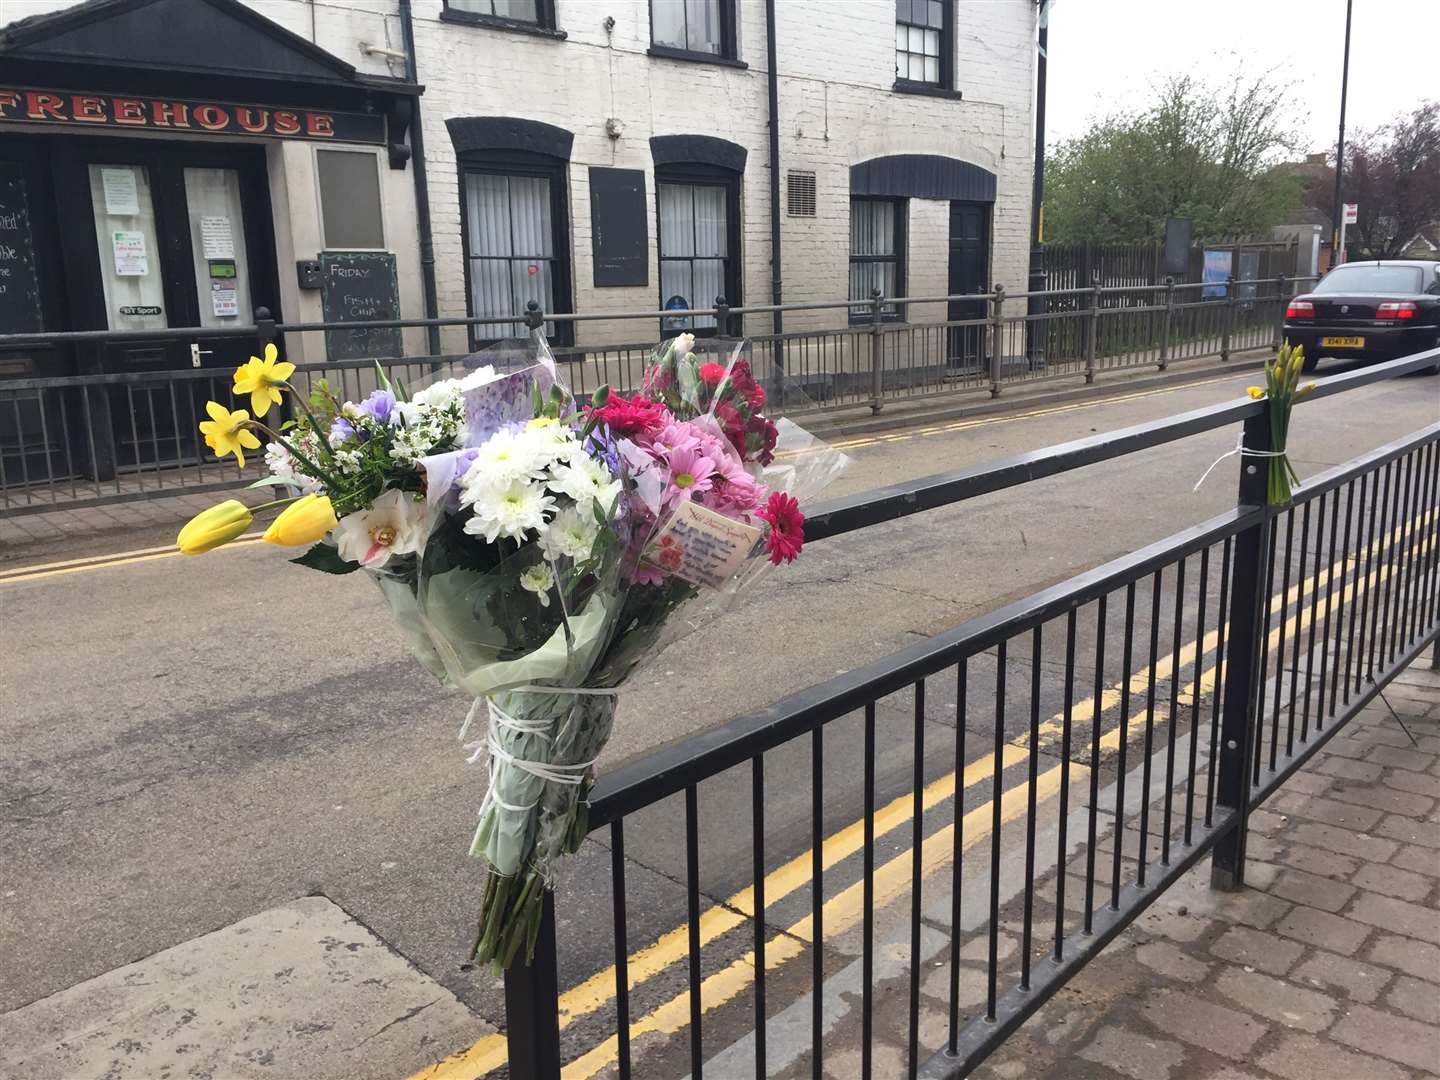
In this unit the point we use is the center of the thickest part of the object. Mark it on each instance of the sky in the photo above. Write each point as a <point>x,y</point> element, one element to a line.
<point>1105,55</point>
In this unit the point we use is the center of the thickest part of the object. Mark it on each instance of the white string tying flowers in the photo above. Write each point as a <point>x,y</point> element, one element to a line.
<point>1243,451</point>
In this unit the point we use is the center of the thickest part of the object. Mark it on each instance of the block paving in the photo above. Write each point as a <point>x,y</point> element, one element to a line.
<point>1326,967</point>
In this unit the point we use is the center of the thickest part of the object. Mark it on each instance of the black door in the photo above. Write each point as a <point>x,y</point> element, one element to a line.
<point>165,236</point>
<point>969,260</point>
<point>32,446</point>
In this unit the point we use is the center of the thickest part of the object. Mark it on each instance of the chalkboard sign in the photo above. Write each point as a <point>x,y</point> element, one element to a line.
<point>619,240</point>
<point>360,286</point>
<point>20,311</point>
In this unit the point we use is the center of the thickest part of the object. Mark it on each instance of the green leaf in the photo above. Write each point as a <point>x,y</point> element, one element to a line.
<point>263,482</point>
<point>326,559</point>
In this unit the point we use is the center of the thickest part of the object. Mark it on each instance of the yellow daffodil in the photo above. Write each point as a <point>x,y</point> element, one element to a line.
<point>225,432</point>
<point>1256,392</point>
<point>303,522</point>
<point>209,529</point>
<point>261,379</point>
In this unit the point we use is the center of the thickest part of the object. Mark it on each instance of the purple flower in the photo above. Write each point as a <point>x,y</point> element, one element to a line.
<point>341,432</point>
<point>380,405</point>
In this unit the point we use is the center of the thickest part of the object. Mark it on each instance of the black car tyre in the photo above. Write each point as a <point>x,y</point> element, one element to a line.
<point>1309,363</point>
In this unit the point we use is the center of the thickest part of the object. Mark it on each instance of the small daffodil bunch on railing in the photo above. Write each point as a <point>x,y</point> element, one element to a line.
<point>1281,390</point>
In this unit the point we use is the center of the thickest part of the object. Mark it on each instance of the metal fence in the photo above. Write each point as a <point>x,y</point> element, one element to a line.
<point>88,440</point>
<point>1217,662</point>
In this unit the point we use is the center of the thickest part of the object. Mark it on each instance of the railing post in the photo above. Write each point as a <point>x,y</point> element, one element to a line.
<point>534,317</point>
<point>722,317</point>
<point>997,339</point>
<point>1092,335</point>
<point>1227,318</point>
<point>1165,325</point>
<point>1280,305</point>
<point>532,1006</point>
<point>1245,638</point>
<point>877,370</point>
<point>265,328</point>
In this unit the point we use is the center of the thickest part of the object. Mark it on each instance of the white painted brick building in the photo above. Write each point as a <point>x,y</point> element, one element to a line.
<point>566,86</point>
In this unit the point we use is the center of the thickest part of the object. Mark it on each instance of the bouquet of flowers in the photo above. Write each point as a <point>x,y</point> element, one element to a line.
<point>533,550</point>
<point>1281,390</point>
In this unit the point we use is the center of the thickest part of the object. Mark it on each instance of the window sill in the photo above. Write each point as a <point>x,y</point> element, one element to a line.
<point>907,86</point>
<point>667,53</point>
<point>494,22</point>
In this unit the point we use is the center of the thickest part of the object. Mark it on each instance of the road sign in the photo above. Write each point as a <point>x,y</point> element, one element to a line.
<point>1352,213</point>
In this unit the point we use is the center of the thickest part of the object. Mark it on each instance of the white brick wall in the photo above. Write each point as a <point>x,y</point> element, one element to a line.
<point>837,109</point>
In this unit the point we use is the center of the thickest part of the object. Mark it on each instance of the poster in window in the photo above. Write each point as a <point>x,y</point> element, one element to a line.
<point>122,193</point>
<point>131,258</point>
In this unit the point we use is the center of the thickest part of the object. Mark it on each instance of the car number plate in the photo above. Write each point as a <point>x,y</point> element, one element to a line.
<point>1343,342</point>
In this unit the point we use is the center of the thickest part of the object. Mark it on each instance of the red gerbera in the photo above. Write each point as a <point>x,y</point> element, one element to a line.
<point>711,374</point>
<point>629,416</point>
<point>787,527</point>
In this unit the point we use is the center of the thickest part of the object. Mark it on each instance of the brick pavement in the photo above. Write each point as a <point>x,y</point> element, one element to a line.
<point>1327,967</point>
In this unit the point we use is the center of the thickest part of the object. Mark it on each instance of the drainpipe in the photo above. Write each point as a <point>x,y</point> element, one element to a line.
<point>422,186</point>
<point>1036,306</point>
<point>778,318</point>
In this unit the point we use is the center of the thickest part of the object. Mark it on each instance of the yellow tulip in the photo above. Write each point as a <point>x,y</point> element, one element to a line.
<point>303,522</point>
<point>225,432</point>
<point>1256,392</point>
<point>260,379</point>
<point>211,528</point>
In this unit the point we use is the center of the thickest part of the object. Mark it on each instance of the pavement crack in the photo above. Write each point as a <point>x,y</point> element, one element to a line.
<point>398,1020</point>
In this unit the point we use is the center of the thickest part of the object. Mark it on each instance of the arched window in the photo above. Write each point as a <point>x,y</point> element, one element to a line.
<point>697,198</point>
<point>515,222</point>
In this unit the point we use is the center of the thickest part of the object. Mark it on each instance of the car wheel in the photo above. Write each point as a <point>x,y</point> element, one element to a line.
<point>1308,364</point>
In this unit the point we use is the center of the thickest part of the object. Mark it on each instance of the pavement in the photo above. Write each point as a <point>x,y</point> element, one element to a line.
<point>1325,967</point>
<point>251,734</point>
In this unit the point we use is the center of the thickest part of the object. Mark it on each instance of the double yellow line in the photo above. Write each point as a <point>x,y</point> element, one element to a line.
<point>104,562</point>
<point>843,910</point>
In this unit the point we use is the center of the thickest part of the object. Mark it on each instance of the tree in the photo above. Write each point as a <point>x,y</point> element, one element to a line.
<point>1198,152</point>
<point>1393,173</point>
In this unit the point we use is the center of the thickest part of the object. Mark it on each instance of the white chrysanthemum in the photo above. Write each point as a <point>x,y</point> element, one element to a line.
<point>505,457</point>
<point>437,395</point>
<point>583,479</point>
<point>571,535</point>
<point>510,510</point>
<point>539,579</point>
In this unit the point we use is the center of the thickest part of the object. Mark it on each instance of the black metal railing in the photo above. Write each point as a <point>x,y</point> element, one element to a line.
<point>1217,661</point>
<point>86,440</point>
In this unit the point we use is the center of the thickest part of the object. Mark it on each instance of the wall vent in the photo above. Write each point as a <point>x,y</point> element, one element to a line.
<point>800,193</point>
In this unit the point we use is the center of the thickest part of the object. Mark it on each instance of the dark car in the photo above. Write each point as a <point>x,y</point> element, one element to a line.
<point>1368,310</point>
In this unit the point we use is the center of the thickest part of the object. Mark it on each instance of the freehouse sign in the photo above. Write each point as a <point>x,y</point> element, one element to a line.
<point>135,113</point>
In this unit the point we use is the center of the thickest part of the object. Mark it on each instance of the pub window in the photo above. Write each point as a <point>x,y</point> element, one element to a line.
<point>516,247</point>
<point>518,14</point>
<point>923,44</point>
<point>699,242</point>
<point>877,254</point>
<point>700,28</point>
<point>350,199</point>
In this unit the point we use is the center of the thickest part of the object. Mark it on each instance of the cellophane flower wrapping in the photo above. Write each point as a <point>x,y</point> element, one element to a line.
<point>554,563</point>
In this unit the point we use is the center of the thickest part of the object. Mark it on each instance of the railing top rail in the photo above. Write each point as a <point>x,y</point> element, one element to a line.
<point>665,772</point>
<point>929,492</point>
<point>254,329</point>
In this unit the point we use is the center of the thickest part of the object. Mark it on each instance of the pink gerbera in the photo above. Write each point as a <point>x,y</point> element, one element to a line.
<point>690,474</point>
<point>787,527</point>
